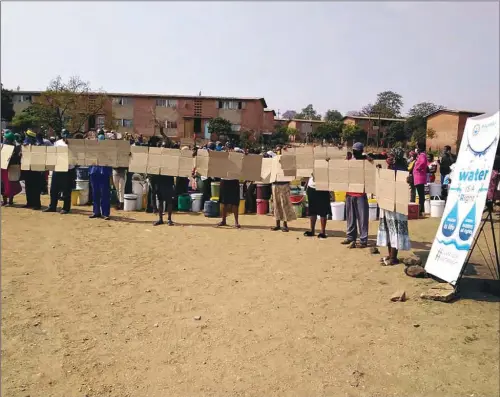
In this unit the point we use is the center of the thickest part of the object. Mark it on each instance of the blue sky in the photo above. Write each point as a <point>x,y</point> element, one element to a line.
<point>331,54</point>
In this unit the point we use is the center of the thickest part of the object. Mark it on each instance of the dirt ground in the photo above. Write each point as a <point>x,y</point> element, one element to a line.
<point>96,308</point>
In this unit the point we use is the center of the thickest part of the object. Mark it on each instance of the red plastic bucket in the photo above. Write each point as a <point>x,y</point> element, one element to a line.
<point>297,199</point>
<point>262,207</point>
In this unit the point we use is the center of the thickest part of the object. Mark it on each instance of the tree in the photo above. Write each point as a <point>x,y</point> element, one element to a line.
<point>431,133</point>
<point>70,105</point>
<point>423,109</point>
<point>292,132</point>
<point>220,126</point>
<point>351,132</point>
<point>247,139</point>
<point>366,110</point>
<point>279,136</point>
<point>419,135</point>
<point>332,115</point>
<point>354,113</point>
<point>308,113</point>
<point>7,105</point>
<point>331,131</point>
<point>289,114</point>
<point>395,133</point>
<point>27,119</point>
<point>388,104</point>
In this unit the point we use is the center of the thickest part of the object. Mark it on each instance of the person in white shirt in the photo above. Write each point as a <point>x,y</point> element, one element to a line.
<point>62,182</point>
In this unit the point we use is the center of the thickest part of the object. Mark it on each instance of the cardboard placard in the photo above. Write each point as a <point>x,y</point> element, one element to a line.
<point>321,175</point>
<point>266,169</point>
<point>304,160</point>
<point>62,162</point>
<point>6,154</point>
<point>107,153</point>
<point>186,163</point>
<point>371,175</point>
<point>252,167</point>
<point>154,161</point>
<point>25,158</point>
<point>91,152</point>
<point>402,196</point>
<point>202,160</point>
<point>277,172</point>
<point>320,153</point>
<point>38,158</point>
<point>122,153</point>
<point>138,159</point>
<point>386,189</point>
<point>288,163</point>
<point>356,175</point>
<point>338,175</point>
<point>170,162</point>
<point>76,151</point>
<point>235,165</point>
<point>51,158</point>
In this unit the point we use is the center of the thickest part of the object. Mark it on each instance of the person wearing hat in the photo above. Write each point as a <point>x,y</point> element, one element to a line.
<point>99,179</point>
<point>11,187</point>
<point>63,182</point>
<point>357,208</point>
<point>33,180</point>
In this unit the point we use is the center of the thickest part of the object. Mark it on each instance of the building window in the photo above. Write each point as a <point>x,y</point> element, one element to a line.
<point>166,103</point>
<point>100,122</point>
<point>235,127</point>
<point>124,123</point>
<point>170,125</point>
<point>22,98</point>
<point>232,105</point>
<point>122,101</point>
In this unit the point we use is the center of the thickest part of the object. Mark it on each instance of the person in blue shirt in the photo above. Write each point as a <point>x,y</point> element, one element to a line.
<point>99,179</point>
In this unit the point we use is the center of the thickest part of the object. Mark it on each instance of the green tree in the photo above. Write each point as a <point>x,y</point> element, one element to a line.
<point>247,139</point>
<point>330,130</point>
<point>292,132</point>
<point>352,132</point>
<point>7,104</point>
<point>419,135</point>
<point>27,119</point>
<point>220,126</point>
<point>388,104</point>
<point>279,136</point>
<point>395,133</point>
<point>308,113</point>
<point>423,109</point>
<point>332,115</point>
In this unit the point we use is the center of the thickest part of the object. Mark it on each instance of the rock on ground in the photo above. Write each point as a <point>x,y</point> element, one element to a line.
<point>442,292</point>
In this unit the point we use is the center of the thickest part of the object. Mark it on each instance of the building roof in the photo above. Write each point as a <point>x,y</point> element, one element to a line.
<point>270,110</point>
<point>301,120</point>
<point>455,111</point>
<point>173,96</point>
<point>372,118</point>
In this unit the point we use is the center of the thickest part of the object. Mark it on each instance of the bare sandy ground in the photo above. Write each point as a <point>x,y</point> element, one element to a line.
<point>96,308</point>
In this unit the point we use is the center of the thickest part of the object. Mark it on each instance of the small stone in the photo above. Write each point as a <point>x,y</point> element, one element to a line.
<point>112,304</point>
<point>442,292</point>
<point>53,246</point>
<point>197,318</point>
<point>148,290</point>
<point>416,325</point>
<point>412,261</point>
<point>156,325</point>
<point>399,296</point>
<point>416,271</point>
<point>374,250</point>
<point>27,274</point>
<point>36,324</point>
<point>94,315</point>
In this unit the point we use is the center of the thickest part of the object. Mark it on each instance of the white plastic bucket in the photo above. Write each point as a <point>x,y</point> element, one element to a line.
<point>138,190</point>
<point>242,196</point>
<point>338,211</point>
<point>435,189</point>
<point>196,200</point>
<point>130,202</point>
<point>81,185</point>
<point>83,198</point>
<point>372,211</point>
<point>437,208</point>
<point>427,206</point>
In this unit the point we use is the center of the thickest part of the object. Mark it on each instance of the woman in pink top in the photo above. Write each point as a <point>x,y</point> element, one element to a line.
<point>420,176</point>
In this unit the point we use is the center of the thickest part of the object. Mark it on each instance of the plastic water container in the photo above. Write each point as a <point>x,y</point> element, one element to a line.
<point>339,196</point>
<point>196,202</point>
<point>242,196</point>
<point>211,209</point>
<point>299,209</point>
<point>372,211</point>
<point>241,208</point>
<point>437,208</point>
<point>184,202</point>
<point>338,210</point>
<point>138,190</point>
<point>130,202</point>
<point>435,189</point>
<point>75,194</point>
<point>215,189</point>
<point>263,191</point>
<point>83,198</point>
<point>81,184</point>
<point>427,206</point>
<point>262,207</point>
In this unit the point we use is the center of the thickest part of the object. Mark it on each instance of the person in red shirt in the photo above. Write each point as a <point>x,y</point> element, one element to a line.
<point>357,209</point>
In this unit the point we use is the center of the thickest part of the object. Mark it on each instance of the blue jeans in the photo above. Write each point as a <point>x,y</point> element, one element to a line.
<point>442,179</point>
<point>100,194</point>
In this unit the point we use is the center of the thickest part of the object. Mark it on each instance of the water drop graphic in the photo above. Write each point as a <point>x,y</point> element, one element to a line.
<point>468,225</point>
<point>450,222</point>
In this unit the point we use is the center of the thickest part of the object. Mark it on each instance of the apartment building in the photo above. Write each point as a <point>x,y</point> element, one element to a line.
<point>448,127</point>
<point>304,127</point>
<point>183,116</point>
<point>372,125</point>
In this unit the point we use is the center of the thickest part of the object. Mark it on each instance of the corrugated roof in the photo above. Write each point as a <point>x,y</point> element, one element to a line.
<point>455,111</point>
<point>174,96</point>
<point>302,120</point>
<point>270,110</point>
<point>372,118</point>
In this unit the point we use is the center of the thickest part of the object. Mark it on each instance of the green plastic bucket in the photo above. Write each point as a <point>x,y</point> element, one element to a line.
<point>184,202</point>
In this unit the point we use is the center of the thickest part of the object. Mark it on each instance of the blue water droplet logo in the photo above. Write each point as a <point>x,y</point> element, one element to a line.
<point>468,225</point>
<point>450,222</point>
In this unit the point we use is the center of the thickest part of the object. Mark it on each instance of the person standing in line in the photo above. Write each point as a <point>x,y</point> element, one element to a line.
<point>319,205</point>
<point>230,197</point>
<point>10,187</point>
<point>447,159</point>
<point>357,208</point>
<point>282,206</point>
<point>420,176</point>
<point>119,180</point>
<point>33,180</point>
<point>162,190</point>
<point>393,227</point>
<point>101,197</point>
<point>62,182</point>
<point>411,164</point>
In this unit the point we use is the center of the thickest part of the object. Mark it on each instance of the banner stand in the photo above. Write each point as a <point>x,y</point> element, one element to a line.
<point>496,266</point>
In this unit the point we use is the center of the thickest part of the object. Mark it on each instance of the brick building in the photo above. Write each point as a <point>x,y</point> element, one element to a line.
<point>183,115</point>
<point>448,127</point>
<point>304,127</point>
<point>372,125</point>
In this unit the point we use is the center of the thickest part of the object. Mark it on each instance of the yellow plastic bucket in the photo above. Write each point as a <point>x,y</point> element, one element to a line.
<point>372,201</point>
<point>241,208</point>
<point>339,196</point>
<point>75,194</point>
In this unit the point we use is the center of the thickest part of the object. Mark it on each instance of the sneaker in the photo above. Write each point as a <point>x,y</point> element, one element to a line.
<point>322,236</point>
<point>107,218</point>
<point>157,223</point>
<point>93,216</point>
<point>309,234</point>
<point>352,245</point>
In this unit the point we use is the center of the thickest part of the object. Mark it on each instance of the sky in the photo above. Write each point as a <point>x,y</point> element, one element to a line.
<point>334,55</point>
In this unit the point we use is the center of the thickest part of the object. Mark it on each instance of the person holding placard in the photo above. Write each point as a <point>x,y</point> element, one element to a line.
<point>101,196</point>
<point>319,205</point>
<point>10,186</point>
<point>282,206</point>
<point>230,197</point>
<point>393,226</point>
<point>420,176</point>
<point>33,180</point>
